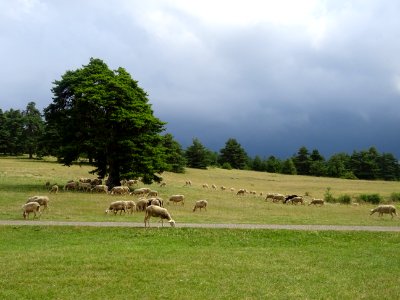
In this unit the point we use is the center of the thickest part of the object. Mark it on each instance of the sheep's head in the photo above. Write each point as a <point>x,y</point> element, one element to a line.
<point>172,223</point>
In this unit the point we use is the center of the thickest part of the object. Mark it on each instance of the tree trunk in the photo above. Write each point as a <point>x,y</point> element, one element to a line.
<point>113,177</point>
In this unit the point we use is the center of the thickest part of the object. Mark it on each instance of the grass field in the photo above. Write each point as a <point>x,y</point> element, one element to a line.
<point>183,263</point>
<point>21,178</point>
<point>39,262</point>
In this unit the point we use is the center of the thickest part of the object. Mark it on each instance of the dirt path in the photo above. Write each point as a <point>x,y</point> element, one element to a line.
<point>193,225</point>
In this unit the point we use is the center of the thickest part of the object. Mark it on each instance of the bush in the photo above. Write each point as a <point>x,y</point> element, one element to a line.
<point>344,199</point>
<point>395,197</point>
<point>370,198</point>
<point>227,166</point>
<point>328,197</point>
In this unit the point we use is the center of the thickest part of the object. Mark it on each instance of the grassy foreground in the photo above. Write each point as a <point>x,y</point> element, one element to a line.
<point>184,263</point>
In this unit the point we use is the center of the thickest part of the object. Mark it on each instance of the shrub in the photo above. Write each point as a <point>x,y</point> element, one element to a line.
<point>395,197</point>
<point>328,197</point>
<point>370,198</point>
<point>344,199</point>
<point>227,166</point>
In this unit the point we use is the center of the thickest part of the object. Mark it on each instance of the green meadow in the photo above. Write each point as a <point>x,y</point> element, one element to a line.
<point>45,262</point>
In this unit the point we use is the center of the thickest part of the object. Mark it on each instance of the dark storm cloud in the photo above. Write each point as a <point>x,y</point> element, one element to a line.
<point>327,77</point>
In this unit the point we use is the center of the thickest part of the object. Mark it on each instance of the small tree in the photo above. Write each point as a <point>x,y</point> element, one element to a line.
<point>174,155</point>
<point>197,155</point>
<point>32,129</point>
<point>234,154</point>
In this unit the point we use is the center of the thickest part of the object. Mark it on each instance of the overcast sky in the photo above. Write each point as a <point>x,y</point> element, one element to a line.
<point>274,75</point>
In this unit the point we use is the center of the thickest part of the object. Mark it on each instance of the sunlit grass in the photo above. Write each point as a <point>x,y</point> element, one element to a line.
<point>21,178</point>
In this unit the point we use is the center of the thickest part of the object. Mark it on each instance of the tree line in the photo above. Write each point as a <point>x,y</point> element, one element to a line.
<point>23,132</point>
<point>103,116</point>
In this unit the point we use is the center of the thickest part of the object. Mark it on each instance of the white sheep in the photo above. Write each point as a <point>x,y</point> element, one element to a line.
<point>130,206</point>
<point>317,201</point>
<point>71,185</point>
<point>120,190</point>
<point>141,204</point>
<point>42,200</point>
<point>384,209</point>
<point>160,212</point>
<point>177,198</point>
<point>200,204</point>
<point>241,192</point>
<point>117,206</point>
<point>54,189</point>
<point>30,207</point>
<point>100,188</point>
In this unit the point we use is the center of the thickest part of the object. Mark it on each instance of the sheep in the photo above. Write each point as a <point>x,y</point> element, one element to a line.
<point>141,204</point>
<point>42,200</point>
<point>214,187</point>
<point>296,200</point>
<point>269,196</point>
<point>72,185</point>
<point>130,206</point>
<point>223,188</point>
<point>241,192</point>
<point>384,209</point>
<point>140,191</point>
<point>30,207</point>
<point>200,204</point>
<point>288,197</point>
<point>153,193</point>
<point>84,186</point>
<point>100,188</point>
<point>163,184</point>
<point>278,197</point>
<point>156,211</point>
<point>317,201</point>
<point>54,189</point>
<point>205,185</point>
<point>177,198</point>
<point>120,190</point>
<point>117,206</point>
<point>188,182</point>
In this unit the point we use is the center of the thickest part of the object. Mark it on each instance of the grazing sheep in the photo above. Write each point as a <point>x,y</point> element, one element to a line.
<point>30,207</point>
<point>156,211</point>
<point>241,192</point>
<point>54,189</point>
<point>188,182</point>
<point>72,185</point>
<point>278,197</point>
<point>130,206</point>
<point>163,184</point>
<point>117,206</point>
<point>100,188</point>
<point>384,209</point>
<point>317,202</point>
<point>177,198</point>
<point>153,193</point>
<point>288,197</point>
<point>223,188</point>
<point>141,204</point>
<point>84,186</point>
<point>205,185</point>
<point>200,204</point>
<point>42,200</point>
<point>213,186</point>
<point>296,200</point>
<point>232,189</point>
<point>120,190</point>
<point>141,191</point>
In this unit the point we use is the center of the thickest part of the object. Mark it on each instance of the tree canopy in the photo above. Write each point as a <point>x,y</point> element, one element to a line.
<point>105,116</point>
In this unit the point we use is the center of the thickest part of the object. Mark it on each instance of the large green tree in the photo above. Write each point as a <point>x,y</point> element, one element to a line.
<point>104,115</point>
<point>234,154</point>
